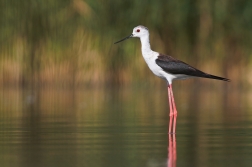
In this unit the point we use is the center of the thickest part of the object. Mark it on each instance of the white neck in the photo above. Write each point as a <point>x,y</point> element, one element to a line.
<point>146,49</point>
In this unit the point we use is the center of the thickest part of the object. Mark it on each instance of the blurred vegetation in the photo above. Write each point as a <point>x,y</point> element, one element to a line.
<point>70,42</point>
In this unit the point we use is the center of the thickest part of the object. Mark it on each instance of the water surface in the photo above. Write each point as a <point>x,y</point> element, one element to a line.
<point>124,127</point>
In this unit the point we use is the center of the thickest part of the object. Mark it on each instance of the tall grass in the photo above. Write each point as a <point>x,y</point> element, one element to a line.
<point>70,42</point>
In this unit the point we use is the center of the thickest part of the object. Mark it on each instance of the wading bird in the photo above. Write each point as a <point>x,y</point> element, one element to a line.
<point>166,67</point>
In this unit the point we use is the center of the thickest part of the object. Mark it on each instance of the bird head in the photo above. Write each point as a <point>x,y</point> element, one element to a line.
<point>139,31</point>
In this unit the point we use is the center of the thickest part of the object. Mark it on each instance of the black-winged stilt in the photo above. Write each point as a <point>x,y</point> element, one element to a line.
<point>166,67</point>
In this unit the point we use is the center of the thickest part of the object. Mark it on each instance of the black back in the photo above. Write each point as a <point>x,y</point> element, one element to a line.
<point>174,66</point>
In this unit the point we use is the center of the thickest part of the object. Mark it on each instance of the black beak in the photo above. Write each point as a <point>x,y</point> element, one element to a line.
<point>124,39</point>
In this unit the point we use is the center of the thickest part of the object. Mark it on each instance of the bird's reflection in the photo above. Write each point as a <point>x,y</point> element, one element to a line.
<point>172,151</point>
<point>172,146</point>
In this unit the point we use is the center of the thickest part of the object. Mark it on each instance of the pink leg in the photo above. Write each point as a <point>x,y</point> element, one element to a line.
<point>170,125</point>
<point>173,101</point>
<point>174,123</point>
<point>171,110</point>
<point>170,100</point>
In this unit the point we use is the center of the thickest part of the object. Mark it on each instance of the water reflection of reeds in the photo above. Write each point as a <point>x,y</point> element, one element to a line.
<point>208,103</point>
<point>97,125</point>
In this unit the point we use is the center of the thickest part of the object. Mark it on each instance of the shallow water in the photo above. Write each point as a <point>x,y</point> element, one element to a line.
<point>124,127</point>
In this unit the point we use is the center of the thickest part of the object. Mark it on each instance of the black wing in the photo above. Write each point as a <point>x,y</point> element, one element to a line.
<point>174,66</point>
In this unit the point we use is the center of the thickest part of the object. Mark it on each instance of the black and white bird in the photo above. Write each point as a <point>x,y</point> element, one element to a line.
<point>166,67</point>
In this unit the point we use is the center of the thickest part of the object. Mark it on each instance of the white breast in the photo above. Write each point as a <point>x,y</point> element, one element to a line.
<point>150,59</point>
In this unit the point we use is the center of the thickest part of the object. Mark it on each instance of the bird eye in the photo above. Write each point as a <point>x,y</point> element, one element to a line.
<point>137,30</point>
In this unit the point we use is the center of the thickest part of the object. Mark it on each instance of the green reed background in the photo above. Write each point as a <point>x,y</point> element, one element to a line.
<point>70,42</point>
